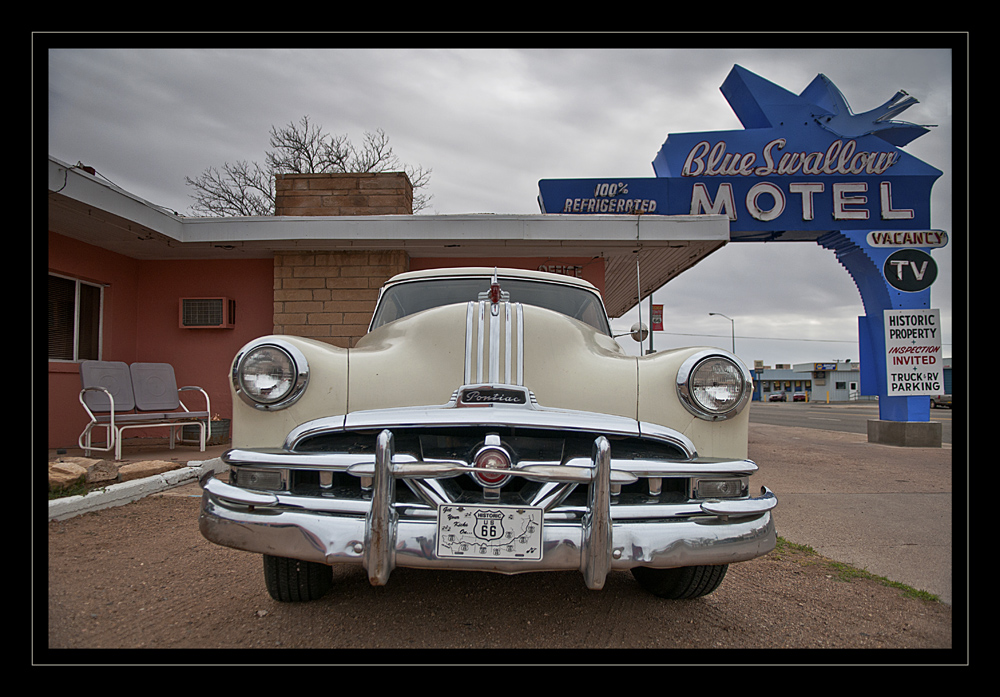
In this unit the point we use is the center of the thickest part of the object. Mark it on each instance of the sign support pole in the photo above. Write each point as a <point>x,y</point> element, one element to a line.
<point>902,420</point>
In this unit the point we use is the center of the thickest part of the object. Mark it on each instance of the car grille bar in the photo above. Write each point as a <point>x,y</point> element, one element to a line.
<point>596,553</point>
<point>381,519</point>
<point>380,522</point>
<point>407,466</point>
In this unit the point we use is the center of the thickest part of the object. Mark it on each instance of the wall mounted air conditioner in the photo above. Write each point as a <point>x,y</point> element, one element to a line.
<point>207,313</point>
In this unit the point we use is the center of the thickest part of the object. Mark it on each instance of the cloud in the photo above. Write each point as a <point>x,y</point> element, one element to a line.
<point>490,123</point>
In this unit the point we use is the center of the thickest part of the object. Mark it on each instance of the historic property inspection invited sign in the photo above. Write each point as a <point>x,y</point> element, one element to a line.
<point>913,352</point>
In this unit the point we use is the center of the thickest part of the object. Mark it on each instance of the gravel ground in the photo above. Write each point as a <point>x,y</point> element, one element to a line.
<point>142,577</point>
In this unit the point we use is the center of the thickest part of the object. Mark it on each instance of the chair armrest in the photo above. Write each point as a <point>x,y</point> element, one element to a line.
<point>93,419</point>
<point>189,388</point>
<point>111,400</point>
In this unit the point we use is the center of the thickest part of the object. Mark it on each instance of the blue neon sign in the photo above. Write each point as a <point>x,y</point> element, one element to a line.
<point>804,165</point>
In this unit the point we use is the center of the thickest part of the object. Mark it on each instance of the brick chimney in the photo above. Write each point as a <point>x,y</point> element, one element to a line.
<point>330,295</point>
<point>382,193</point>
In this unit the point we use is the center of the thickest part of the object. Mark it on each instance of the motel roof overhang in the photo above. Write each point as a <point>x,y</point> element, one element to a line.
<point>85,208</point>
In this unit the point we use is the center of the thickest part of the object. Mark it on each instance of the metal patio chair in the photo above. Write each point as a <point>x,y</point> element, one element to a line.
<point>117,397</point>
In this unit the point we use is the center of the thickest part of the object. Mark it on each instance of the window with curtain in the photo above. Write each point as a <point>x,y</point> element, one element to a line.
<point>74,319</point>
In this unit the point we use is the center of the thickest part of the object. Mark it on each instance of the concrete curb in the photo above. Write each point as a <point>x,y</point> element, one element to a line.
<point>127,492</point>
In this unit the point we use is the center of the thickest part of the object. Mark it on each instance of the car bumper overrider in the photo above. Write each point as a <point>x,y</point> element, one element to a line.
<point>608,510</point>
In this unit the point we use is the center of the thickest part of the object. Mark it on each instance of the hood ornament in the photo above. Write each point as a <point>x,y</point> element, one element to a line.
<point>495,295</point>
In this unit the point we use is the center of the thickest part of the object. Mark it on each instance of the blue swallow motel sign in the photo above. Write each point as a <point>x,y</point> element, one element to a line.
<point>804,168</point>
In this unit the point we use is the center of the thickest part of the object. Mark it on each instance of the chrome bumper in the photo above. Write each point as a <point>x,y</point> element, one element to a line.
<point>382,534</point>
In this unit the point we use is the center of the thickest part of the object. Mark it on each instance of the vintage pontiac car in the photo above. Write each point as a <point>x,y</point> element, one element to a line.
<point>488,421</point>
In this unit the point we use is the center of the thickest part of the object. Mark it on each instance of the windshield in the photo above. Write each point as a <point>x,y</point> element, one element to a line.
<point>415,296</point>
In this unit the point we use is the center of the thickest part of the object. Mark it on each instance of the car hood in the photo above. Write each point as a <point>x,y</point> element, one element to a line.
<point>422,359</point>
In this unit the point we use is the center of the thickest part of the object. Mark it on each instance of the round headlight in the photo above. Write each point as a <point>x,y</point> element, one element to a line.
<point>714,386</point>
<point>270,375</point>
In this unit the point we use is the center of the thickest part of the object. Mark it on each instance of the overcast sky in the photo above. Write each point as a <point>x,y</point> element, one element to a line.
<point>491,123</point>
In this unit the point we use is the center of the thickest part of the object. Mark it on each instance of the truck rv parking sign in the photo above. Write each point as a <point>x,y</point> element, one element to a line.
<point>913,353</point>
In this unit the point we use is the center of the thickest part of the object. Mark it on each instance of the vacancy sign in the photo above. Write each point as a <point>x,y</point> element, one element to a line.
<point>913,353</point>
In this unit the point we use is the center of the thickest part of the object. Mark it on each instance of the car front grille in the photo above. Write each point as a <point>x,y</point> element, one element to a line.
<point>459,445</point>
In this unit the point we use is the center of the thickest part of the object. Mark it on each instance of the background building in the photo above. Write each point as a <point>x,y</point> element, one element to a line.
<point>833,381</point>
<point>126,278</point>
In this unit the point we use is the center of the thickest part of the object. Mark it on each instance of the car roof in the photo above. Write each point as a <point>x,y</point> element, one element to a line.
<point>487,271</point>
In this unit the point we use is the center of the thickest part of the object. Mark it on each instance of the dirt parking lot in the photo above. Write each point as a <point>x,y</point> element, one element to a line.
<point>141,576</point>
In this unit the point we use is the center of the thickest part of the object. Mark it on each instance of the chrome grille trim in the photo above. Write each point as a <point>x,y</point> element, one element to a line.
<point>524,416</point>
<point>482,337</point>
<point>469,317</point>
<point>343,462</point>
<point>506,362</point>
<point>495,346</point>
<point>520,344</point>
<point>506,337</point>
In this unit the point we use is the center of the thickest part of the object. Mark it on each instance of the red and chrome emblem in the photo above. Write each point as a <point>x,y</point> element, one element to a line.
<point>495,289</point>
<point>492,463</point>
<point>495,295</point>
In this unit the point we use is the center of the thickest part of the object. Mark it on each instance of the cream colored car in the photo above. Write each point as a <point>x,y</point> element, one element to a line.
<point>489,421</point>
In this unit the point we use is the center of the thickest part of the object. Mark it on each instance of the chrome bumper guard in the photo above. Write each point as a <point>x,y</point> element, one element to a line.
<point>382,535</point>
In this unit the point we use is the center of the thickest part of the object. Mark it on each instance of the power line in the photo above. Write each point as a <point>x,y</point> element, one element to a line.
<point>771,338</point>
<point>761,338</point>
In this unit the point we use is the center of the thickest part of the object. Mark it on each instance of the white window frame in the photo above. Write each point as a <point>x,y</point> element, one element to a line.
<point>76,319</point>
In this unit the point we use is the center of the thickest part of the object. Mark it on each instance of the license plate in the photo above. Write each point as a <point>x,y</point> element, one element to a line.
<point>490,532</point>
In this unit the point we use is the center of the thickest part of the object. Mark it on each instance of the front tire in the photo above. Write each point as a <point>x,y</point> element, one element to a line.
<point>682,583</point>
<point>294,581</point>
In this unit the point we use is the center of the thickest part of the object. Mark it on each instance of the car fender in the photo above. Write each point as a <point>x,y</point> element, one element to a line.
<point>660,403</point>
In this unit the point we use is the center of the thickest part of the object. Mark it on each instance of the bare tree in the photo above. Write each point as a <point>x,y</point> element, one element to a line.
<point>247,188</point>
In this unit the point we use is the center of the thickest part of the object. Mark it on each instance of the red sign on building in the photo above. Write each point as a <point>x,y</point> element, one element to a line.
<point>656,318</point>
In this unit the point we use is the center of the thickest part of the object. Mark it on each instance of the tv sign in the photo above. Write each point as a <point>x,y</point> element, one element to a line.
<point>910,270</point>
